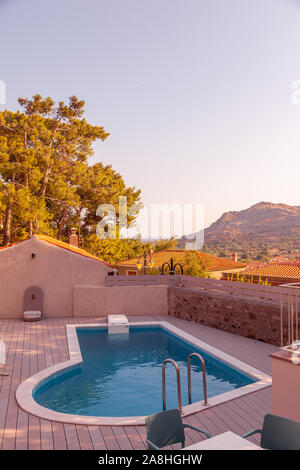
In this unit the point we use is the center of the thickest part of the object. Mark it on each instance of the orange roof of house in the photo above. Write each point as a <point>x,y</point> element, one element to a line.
<point>60,244</point>
<point>212,263</point>
<point>288,270</point>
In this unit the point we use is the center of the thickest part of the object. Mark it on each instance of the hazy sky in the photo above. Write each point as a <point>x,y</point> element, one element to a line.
<point>195,93</point>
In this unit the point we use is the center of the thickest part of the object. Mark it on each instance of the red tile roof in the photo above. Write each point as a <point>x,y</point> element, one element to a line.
<point>212,263</point>
<point>288,270</point>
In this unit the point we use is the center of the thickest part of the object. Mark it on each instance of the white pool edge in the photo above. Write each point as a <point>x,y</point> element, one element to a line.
<point>24,392</point>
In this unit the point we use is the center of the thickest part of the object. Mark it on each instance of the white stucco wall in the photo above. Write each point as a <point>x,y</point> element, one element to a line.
<point>55,270</point>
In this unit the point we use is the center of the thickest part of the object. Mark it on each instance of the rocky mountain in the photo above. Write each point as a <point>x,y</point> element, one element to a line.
<point>276,226</point>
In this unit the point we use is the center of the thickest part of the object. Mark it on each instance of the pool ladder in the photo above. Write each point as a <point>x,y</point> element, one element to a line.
<point>205,403</point>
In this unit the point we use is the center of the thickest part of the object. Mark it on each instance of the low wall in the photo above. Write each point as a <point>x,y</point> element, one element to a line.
<point>245,316</point>
<point>285,385</point>
<point>128,300</point>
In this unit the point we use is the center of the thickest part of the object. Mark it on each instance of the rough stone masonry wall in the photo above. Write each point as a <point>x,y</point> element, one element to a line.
<point>243,316</point>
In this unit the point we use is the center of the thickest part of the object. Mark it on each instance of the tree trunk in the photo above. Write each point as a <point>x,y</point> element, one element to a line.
<point>7,225</point>
<point>62,221</point>
<point>45,180</point>
<point>30,229</point>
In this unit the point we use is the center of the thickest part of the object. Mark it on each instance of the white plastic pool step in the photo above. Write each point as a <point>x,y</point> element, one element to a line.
<point>117,324</point>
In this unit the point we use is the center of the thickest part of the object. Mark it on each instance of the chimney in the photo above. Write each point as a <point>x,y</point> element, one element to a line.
<point>234,257</point>
<point>73,238</point>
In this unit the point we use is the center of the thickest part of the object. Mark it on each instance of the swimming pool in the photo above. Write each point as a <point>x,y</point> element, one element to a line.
<point>119,377</point>
<point>121,374</point>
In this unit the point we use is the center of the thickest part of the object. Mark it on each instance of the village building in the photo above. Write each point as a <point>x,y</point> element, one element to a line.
<point>214,265</point>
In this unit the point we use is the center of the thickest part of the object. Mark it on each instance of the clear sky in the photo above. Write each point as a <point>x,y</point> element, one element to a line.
<point>195,93</point>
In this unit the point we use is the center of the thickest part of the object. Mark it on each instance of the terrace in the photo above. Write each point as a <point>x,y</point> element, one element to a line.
<point>34,346</point>
<point>220,313</point>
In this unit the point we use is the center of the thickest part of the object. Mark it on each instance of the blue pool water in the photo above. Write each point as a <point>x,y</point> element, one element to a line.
<point>121,374</point>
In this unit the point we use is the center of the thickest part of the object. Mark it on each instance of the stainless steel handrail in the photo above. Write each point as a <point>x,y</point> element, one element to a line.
<point>164,383</point>
<point>203,375</point>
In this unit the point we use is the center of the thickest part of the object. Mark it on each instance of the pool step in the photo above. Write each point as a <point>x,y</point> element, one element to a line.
<point>117,324</point>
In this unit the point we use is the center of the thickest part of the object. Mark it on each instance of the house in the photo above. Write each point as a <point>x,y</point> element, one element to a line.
<point>215,266</point>
<point>274,273</point>
<point>52,266</point>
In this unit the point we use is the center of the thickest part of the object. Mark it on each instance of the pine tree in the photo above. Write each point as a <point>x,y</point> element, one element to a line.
<point>46,183</point>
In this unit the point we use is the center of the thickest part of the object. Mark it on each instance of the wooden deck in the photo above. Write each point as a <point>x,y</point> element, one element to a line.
<point>35,346</point>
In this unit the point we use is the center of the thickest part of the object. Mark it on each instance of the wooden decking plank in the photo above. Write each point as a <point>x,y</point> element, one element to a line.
<point>41,364</point>
<point>63,345</point>
<point>10,426</point>
<point>34,428</point>
<point>23,417</point>
<point>109,438</point>
<point>71,437</point>
<point>59,437</point>
<point>249,421</point>
<point>142,432</point>
<point>53,343</point>
<point>47,441</point>
<point>33,365</point>
<point>265,396</point>
<point>21,442</point>
<point>84,437</point>
<point>251,417</point>
<point>47,345</point>
<point>134,437</point>
<point>122,438</point>
<point>60,340</point>
<point>230,420</point>
<point>97,438</point>
<point>204,421</point>
<point>257,405</point>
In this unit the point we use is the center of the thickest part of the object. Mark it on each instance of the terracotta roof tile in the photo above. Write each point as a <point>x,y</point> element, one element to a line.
<point>289,270</point>
<point>212,263</point>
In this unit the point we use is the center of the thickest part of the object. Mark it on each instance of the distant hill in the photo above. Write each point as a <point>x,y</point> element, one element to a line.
<point>276,226</point>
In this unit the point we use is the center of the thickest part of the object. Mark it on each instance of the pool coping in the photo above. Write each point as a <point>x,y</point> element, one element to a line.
<point>24,392</point>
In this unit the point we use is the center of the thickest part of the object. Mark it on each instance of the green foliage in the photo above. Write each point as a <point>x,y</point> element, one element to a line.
<point>46,183</point>
<point>116,250</point>
<point>264,282</point>
<point>113,251</point>
<point>194,266</point>
<point>240,277</point>
<point>165,245</point>
<point>246,278</point>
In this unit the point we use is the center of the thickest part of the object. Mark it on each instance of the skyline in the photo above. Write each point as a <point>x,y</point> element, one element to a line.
<point>197,96</point>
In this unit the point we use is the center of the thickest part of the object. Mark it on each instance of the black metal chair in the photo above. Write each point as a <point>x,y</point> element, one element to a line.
<point>166,428</point>
<point>278,433</point>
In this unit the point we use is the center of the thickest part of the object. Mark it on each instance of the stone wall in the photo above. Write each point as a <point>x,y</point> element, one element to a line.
<point>244,316</point>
